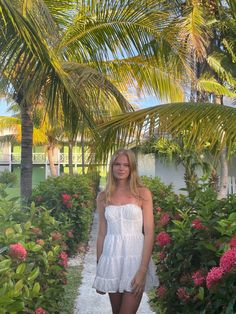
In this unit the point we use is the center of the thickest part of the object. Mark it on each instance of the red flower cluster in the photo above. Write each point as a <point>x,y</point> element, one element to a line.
<point>64,259</point>
<point>228,260</point>
<point>213,276</point>
<point>159,210</point>
<point>182,294</point>
<point>198,278</point>
<point>165,218</point>
<point>40,310</point>
<point>56,235</point>
<point>232,243</point>
<point>163,238</point>
<point>197,224</point>
<point>161,291</point>
<point>66,200</point>
<point>18,251</point>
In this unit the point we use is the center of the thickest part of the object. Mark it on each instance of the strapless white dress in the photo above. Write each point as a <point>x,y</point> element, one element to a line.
<point>122,250</point>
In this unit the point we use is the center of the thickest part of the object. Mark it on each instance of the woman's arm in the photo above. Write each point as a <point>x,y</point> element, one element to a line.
<point>102,227</point>
<point>148,224</point>
<point>138,282</point>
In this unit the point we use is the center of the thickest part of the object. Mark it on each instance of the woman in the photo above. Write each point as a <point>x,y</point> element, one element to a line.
<point>125,236</point>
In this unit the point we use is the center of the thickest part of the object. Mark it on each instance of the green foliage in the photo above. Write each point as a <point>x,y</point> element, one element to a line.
<point>71,200</point>
<point>32,274</point>
<point>8,178</point>
<point>198,232</point>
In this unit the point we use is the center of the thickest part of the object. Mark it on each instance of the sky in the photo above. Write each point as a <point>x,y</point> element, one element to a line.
<point>141,102</point>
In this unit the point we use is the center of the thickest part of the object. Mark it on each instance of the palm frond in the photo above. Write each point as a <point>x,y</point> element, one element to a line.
<point>223,66</point>
<point>202,122</point>
<point>210,85</point>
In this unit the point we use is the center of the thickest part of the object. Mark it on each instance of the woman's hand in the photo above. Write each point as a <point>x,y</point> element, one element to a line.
<point>138,282</point>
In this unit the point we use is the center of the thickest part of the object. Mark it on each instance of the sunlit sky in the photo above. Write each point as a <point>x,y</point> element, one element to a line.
<point>141,102</point>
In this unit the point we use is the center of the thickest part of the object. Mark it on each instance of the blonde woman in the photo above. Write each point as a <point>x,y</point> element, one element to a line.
<point>125,236</point>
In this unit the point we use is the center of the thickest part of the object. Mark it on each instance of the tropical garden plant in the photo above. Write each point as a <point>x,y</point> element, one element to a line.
<point>195,251</point>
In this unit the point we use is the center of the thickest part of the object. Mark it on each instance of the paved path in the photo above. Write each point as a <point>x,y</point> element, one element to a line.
<point>88,301</point>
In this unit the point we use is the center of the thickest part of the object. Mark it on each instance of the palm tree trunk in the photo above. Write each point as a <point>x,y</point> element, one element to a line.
<point>26,152</point>
<point>70,157</point>
<point>51,161</point>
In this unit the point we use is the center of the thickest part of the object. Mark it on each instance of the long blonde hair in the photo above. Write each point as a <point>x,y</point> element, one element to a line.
<point>134,181</point>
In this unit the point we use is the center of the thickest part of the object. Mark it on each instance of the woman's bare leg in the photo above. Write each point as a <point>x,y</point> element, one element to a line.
<point>130,303</point>
<point>115,299</point>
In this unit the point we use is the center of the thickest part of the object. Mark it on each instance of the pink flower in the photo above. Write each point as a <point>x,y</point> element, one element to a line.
<point>228,260</point>
<point>69,205</point>
<point>56,235</point>
<point>18,251</point>
<point>232,242</point>
<point>213,276</point>
<point>65,198</point>
<point>161,291</point>
<point>165,218</point>
<point>197,224</point>
<point>70,234</point>
<point>163,238</point>
<point>198,278</point>
<point>182,294</point>
<point>64,259</point>
<point>159,210</point>
<point>40,310</point>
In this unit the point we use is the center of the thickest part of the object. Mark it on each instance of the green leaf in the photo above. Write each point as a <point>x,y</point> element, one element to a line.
<point>201,293</point>
<point>18,228</point>
<point>5,263</point>
<point>16,306</point>
<point>34,274</point>
<point>21,268</point>
<point>36,289</point>
<point>9,232</point>
<point>27,225</point>
<point>19,285</point>
<point>3,249</point>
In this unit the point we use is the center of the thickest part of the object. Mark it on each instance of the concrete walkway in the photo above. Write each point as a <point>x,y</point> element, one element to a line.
<point>88,301</point>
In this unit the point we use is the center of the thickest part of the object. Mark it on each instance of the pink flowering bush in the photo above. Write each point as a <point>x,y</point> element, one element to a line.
<point>32,261</point>
<point>71,200</point>
<point>196,262</point>
<point>18,252</point>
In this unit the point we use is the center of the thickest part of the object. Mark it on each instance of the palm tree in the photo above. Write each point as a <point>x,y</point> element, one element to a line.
<point>213,61</point>
<point>56,52</point>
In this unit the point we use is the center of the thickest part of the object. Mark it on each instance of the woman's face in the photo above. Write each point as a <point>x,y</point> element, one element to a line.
<point>121,168</point>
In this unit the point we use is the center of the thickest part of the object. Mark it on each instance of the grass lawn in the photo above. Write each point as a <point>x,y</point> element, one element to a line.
<point>71,289</point>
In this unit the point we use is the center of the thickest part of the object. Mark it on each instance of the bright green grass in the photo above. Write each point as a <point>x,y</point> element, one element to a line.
<point>71,289</point>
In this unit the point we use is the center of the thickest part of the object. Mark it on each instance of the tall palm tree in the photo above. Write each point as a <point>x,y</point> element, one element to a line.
<point>56,51</point>
<point>213,61</point>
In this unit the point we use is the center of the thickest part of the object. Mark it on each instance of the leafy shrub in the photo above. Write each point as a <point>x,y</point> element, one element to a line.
<point>71,200</point>
<point>8,178</point>
<point>32,260</point>
<point>195,252</point>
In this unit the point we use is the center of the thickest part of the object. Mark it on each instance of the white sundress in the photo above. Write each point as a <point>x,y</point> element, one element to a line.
<point>122,251</point>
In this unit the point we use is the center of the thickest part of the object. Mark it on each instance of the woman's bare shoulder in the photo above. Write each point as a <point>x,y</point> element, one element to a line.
<point>101,197</point>
<point>144,192</point>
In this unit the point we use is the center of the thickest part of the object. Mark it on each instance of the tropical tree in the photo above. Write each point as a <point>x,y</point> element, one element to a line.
<point>211,46</point>
<point>55,51</point>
